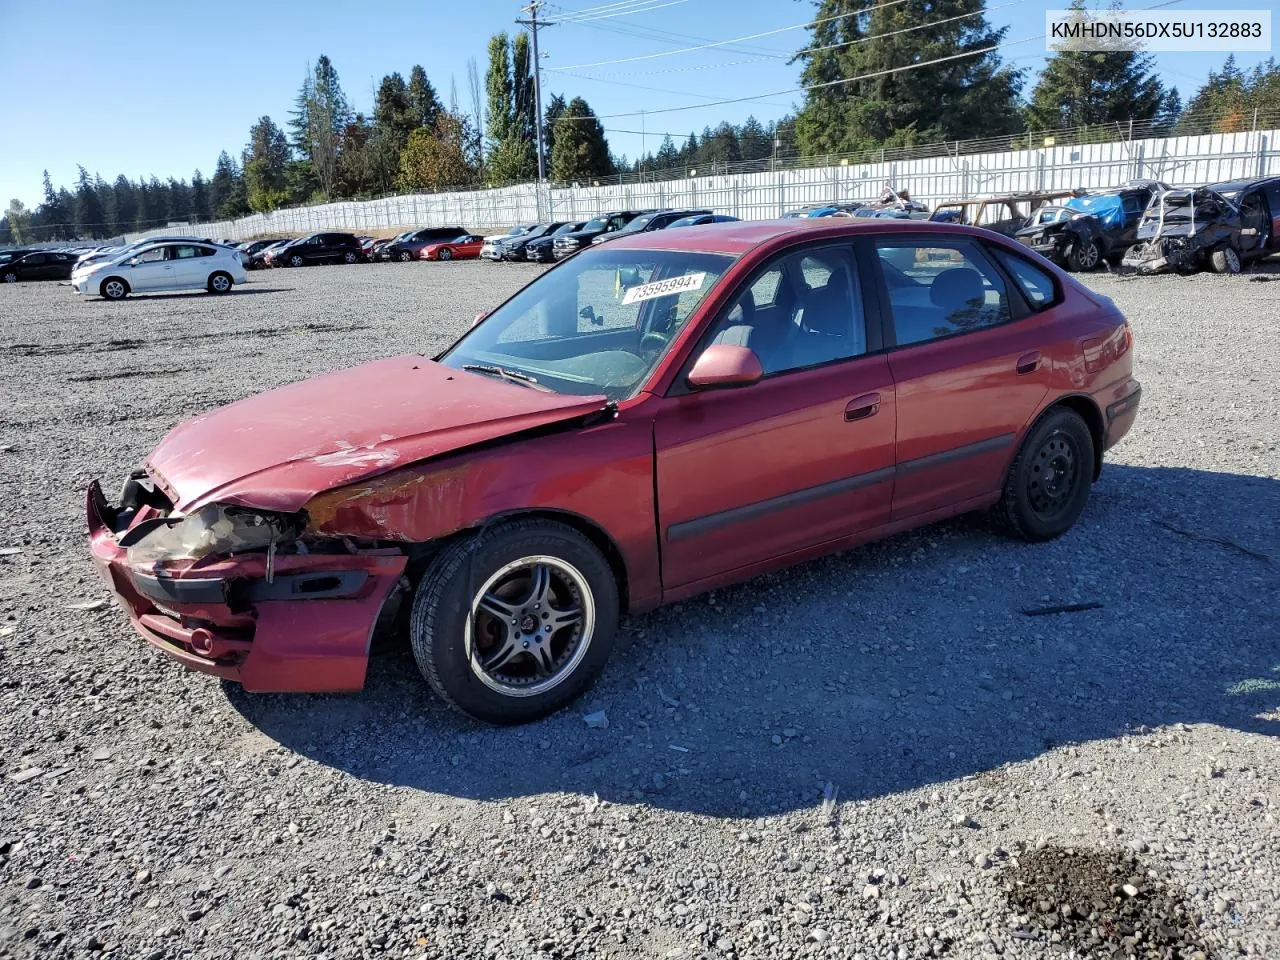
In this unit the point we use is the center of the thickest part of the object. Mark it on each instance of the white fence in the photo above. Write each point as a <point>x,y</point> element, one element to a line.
<point>758,196</point>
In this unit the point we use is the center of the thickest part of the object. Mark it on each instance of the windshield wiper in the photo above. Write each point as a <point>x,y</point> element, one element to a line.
<point>515,376</point>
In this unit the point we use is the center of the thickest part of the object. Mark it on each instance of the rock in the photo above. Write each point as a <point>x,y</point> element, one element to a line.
<point>1130,890</point>
<point>88,605</point>
<point>870,892</point>
<point>982,861</point>
<point>22,776</point>
<point>142,876</point>
<point>101,754</point>
<point>598,720</point>
<point>818,935</point>
<point>776,740</point>
<point>34,883</point>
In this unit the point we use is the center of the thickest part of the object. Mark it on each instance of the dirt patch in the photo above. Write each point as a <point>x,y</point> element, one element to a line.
<point>129,343</point>
<point>1103,904</point>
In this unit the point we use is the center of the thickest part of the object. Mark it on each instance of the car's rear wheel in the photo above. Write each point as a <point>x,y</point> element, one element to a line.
<point>1047,485</point>
<point>515,622</point>
<point>1083,255</point>
<point>445,254</point>
<point>405,256</point>
<point>113,288</point>
<point>295,261</point>
<point>350,257</point>
<point>220,282</point>
<point>10,277</point>
<point>1225,260</point>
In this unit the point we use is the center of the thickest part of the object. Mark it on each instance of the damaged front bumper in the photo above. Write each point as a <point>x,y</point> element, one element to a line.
<point>1155,256</point>
<point>296,622</point>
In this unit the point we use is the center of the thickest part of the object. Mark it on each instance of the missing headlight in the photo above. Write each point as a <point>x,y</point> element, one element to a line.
<point>214,529</point>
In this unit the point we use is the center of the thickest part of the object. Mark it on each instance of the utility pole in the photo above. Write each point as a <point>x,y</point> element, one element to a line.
<point>533,25</point>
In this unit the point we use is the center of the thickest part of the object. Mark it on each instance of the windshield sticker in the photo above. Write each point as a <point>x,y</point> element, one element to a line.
<point>662,288</point>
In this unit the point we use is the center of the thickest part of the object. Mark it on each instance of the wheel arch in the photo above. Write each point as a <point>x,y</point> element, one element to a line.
<point>128,287</point>
<point>1092,416</point>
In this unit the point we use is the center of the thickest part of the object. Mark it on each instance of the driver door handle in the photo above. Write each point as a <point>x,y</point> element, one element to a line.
<point>1028,362</point>
<point>859,408</point>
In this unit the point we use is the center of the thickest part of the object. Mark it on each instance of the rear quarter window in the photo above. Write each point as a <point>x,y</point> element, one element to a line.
<point>1036,283</point>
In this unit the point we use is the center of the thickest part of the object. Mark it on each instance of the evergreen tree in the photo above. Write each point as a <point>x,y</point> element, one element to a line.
<point>220,187</point>
<point>973,96</point>
<point>523,110</point>
<point>319,117</point>
<point>667,157</point>
<point>581,151</point>
<point>159,194</point>
<point>500,112</point>
<point>551,117</point>
<point>423,102</point>
<point>1084,88</point>
<point>753,139</point>
<point>689,151</point>
<point>393,113</point>
<point>355,172</point>
<point>107,200</point>
<point>266,159</point>
<point>125,210</point>
<point>1227,100</point>
<point>200,210</point>
<point>147,216</point>
<point>179,207</point>
<point>91,219</point>
<point>56,217</point>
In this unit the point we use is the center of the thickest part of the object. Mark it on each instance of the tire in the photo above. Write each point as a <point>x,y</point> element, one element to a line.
<point>449,627</point>
<point>404,256</point>
<point>350,257</point>
<point>114,288</point>
<point>1083,256</point>
<point>445,254</point>
<point>295,261</point>
<point>1047,485</point>
<point>10,277</point>
<point>220,282</point>
<point>1226,259</point>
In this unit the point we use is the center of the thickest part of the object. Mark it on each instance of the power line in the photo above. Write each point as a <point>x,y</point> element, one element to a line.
<point>646,32</point>
<point>722,43</point>
<point>623,13</point>
<point>603,8</point>
<point>678,93</point>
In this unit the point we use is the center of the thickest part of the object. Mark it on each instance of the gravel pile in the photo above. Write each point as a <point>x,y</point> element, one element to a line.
<point>875,755</point>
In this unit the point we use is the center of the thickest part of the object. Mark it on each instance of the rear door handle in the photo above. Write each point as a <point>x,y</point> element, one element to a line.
<point>859,408</point>
<point>1028,362</point>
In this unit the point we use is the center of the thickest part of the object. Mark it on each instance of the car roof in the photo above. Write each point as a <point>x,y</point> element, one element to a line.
<point>742,236</point>
<point>1231,186</point>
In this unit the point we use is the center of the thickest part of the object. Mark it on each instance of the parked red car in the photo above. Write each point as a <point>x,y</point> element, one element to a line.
<point>464,248</point>
<point>653,418</point>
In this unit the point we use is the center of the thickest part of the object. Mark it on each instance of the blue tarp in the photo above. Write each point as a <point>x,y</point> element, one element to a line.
<point>1107,207</point>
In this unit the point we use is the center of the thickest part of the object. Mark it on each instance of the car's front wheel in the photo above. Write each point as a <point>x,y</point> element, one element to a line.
<point>219,282</point>
<point>295,261</point>
<point>405,256</point>
<point>10,277</point>
<point>113,288</point>
<point>350,257</point>
<point>445,254</point>
<point>1047,485</point>
<point>1083,255</point>
<point>1225,260</point>
<point>515,622</point>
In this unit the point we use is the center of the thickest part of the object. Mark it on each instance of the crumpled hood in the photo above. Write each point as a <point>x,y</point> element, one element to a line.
<point>276,450</point>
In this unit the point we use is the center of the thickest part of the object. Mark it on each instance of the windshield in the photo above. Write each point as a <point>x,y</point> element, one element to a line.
<point>596,224</point>
<point>569,228</point>
<point>11,254</point>
<point>597,324</point>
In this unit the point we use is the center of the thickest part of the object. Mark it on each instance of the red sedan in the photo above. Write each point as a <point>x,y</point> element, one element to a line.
<point>653,418</point>
<point>464,248</point>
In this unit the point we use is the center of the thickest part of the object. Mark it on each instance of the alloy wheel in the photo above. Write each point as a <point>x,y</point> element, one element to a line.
<point>114,289</point>
<point>530,626</point>
<point>1089,256</point>
<point>10,278</point>
<point>1054,472</point>
<point>221,284</point>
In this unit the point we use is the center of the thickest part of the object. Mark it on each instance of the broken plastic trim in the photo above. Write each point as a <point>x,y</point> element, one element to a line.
<point>213,529</point>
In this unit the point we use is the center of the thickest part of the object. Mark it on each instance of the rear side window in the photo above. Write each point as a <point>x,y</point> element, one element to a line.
<point>1036,283</point>
<point>940,287</point>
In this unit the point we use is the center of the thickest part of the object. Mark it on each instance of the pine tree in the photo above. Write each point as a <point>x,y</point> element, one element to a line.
<point>551,117</point>
<point>1084,88</point>
<point>1227,101</point>
<point>318,119</point>
<point>581,151</point>
<point>500,111</point>
<point>423,102</point>
<point>146,217</point>
<point>523,110</point>
<point>220,187</point>
<point>753,140</point>
<point>56,217</point>
<point>125,212</point>
<point>667,157</point>
<point>200,211</point>
<point>355,171</point>
<point>972,96</point>
<point>90,217</point>
<point>266,160</point>
<point>179,209</point>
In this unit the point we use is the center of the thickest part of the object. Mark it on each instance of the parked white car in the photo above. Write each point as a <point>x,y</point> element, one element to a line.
<point>161,266</point>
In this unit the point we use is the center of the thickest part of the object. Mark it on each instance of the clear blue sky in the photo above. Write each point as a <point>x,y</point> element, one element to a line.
<point>146,88</point>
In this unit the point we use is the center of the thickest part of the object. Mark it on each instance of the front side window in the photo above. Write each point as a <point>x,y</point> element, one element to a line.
<point>940,287</point>
<point>802,311</point>
<point>598,324</point>
<point>153,256</point>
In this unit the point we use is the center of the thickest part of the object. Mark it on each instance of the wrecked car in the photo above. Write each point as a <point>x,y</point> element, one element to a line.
<point>1258,201</point>
<point>1188,230</point>
<point>1089,229</point>
<point>651,419</point>
<point>1005,214</point>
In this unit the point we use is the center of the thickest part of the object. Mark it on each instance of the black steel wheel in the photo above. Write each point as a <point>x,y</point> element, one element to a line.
<point>1048,483</point>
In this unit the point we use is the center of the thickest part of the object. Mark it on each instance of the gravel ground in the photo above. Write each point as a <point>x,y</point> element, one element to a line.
<point>875,755</point>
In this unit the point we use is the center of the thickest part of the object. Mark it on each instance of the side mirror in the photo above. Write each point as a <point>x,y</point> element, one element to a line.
<point>725,365</point>
<point>588,313</point>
